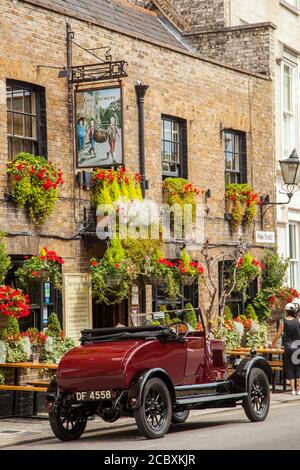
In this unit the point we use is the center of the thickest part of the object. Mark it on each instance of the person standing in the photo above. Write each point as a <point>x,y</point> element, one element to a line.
<point>92,130</point>
<point>290,327</point>
<point>112,136</point>
<point>80,134</point>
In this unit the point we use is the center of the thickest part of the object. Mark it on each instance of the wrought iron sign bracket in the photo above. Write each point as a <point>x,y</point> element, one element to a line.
<point>105,69</point>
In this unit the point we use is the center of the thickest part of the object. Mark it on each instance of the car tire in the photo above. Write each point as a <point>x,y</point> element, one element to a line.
<point>257,403</point>
<point>65,426</point>
<point>153,417</point>
<point>180,417</point>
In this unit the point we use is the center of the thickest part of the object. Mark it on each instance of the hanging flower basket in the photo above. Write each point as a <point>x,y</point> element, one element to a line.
<point>113,281</point>
<point>46,266</point>
<point>187,279</point>
<point>156,280</point>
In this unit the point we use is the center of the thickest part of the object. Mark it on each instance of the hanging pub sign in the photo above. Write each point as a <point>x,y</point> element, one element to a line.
<point>99,133</point>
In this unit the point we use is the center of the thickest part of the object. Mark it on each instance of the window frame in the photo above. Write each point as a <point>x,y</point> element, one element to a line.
<point>288,143</point>
<point>293,271</point>
<point>242,156</point>
<point>39,142</point>
<point>182,146</point>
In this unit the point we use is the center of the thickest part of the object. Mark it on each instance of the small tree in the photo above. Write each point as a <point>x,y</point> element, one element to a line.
<point>5,260</point>
<point>54,328</point>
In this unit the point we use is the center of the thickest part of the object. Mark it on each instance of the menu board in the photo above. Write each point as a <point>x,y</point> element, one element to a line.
<point>77,304</point>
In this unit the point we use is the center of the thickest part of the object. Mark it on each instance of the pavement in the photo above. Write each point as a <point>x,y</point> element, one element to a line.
<point>16,432</point>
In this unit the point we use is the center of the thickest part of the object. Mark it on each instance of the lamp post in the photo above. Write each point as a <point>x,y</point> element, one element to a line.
<point>290,169</point>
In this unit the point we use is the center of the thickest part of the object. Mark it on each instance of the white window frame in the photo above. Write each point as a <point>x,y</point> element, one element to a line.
<point>294,262</point>
<point>293,3</point>
<point>289,142</point>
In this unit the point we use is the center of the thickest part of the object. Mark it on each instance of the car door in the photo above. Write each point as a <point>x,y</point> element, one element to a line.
<point>195,358</point>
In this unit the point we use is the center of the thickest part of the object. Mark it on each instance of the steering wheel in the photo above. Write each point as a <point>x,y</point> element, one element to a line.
<point>180,328</point>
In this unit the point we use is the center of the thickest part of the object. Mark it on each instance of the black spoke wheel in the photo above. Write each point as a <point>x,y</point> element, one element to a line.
<point>66,423</point>
<point>153,417</point>
<point>257,403</point>
<point>179,417</point>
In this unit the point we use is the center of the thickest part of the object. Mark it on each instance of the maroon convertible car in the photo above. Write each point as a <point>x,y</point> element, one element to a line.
<point>156,374</point>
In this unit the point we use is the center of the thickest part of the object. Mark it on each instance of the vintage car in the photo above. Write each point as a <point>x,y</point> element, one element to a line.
<point>155,374</point>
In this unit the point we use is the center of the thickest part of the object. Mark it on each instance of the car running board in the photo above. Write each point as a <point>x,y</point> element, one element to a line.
<point>210,398</point>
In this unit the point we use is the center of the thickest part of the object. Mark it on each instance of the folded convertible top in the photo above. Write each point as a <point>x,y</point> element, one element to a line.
<point>98,335</point>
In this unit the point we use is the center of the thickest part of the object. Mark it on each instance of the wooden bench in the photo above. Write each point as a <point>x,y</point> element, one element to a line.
<point>34,386</point>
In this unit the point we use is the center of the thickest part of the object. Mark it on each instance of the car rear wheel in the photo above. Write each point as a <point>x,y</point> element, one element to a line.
<point>257,403</point>
<point>65,423</point>
<point>153,417</point>
<point>180,416</point>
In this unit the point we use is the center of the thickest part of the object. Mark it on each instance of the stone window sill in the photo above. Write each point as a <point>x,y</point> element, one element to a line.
<point>289,7</point>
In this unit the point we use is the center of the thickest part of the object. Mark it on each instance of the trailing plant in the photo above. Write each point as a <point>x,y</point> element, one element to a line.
<point>274,274</point>
<point>182,192</point>
<point>247,270</point>
<point>110,186</point>
<point>5,260</point>
<point>227,313</point>
<point>35,185</point>
<point>13,302</point>
<point>47,263</point>
<point>244,204</point>
<point>113,275</point>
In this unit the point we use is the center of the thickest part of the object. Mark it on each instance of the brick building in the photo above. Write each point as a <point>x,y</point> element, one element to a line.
<point>209,102</point>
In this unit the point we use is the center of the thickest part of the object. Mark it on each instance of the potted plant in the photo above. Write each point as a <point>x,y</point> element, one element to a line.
<point>35,183</point>
<point>46,265</point>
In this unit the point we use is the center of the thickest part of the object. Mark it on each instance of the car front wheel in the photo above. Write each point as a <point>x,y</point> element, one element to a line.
<point>65,423</point>
<point>257,403</point>
<point>153,417</point>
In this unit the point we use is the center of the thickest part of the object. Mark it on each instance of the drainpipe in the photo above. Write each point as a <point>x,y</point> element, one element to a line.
<point>140,91</point>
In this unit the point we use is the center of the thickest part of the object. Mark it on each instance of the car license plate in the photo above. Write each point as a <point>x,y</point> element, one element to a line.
<point>94,395</point>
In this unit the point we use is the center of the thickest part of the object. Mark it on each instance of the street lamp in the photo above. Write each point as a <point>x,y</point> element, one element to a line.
<point>290,169</point>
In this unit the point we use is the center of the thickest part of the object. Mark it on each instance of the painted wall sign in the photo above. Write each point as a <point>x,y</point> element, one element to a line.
<point>77,304</point>
<point>265,237</point>
<point>99,139</point>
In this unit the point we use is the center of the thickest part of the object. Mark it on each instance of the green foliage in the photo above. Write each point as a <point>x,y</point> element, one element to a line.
<point>227,313</point>
<point>262,306</point>
<point>11,328</point>
<point>180,191</point>
<point>274,274</point>
<point>246,272</point>
<point>56,347</point>
<point>5,260</point>
<point>54,328</point>
<point>35,185</point>
<point>258,338</point>
<point>244,202</point>
<point>2,376</point>
<point>113,275</point>
<point>190,316</point>
<point>15,351</point>
<point>112,186</point>
<point>249,312</point>
<point>228,334</point>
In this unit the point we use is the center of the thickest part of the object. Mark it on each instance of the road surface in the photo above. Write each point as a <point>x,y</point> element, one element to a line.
<point>228,429</point>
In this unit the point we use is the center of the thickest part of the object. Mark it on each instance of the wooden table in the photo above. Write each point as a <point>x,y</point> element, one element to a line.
<point>276,365</point>
<point>16,385</point>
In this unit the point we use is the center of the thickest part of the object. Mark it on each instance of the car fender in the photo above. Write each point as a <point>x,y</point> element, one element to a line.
<point>137,385</point>
<point>240,376</point>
